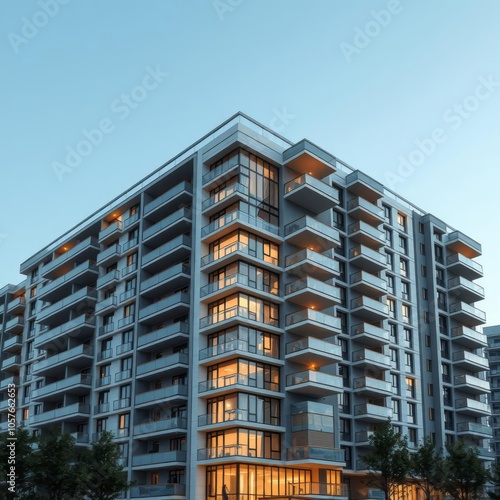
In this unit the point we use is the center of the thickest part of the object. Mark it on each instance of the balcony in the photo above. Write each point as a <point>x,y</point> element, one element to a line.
<point>307,158</point>
<point>16,306</point>
<point>106,305</point>
<point>309,322</point>
<point>84,274</point>
<point>111,232</point>
<point>472,407</point>
<point>235,381</point>
<point>80,328</point>
<point>13,379</point>
<point>173,278</point>
<point>367,259</point>
<point>307,232</point>
<point>364,186</point>
<point>229,169</point>
<point>232,252</point>
<point>13,344</point>
<point>303,453</point>
<point>471,384</point>
<point>465,290</point>
<point>366,235</point>
<point>169,307</point>
<point>173,364</point>
<point>313,383</point>
<point>84,250</point>
<point>232,316</point>
<point>369,309</point>
<point>370,335</point>
<point>74,412</point>
<point>372,387</point>
<point>158,491</point>
<point>156,340</point>
<point>467,314</point>
<point>372,413</point>
<point>109,256</point>
<point>362,438</point>
<point>469,361</point>
<point>307,262</point>
<point>75,385</point>
<point>471,428</point>
<point>459,242</point>
<point>237,283</point>
<point>463,266</point>
<point>363,210</point>
<point>60,309</point>
<point>160,459</point>
<point>225,197</point>
<point>12,364</point>
<point>311,194</point>
<point>79,357</point>
<point>110,279</point>
<point>160,207</point>
<point>366,358</point>
<point>14,325</point>
<point>167,254</point>
<point>172,225</point>
<point>310,352</point>
<point>468,337</point>
<point>236,220</point>
<point>155,427</point>
<point>165,394</point>
<point>368,284</point>
<point>312,293</point>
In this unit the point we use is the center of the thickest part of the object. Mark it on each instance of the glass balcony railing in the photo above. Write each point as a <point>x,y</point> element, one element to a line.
<point>239,247</point>
<point>236,345</point>
<point>234,312</point>
<point>238,279</point>
<point>314,344</point>
<point>160,425</point>
<point>156,491</point>
<point>170,220</point>
<point>238,215</point>
<point>315,377</point>
<point>234,379</point>
<point>315,453</point>
<point>161,394</point>
<point>163,334</point>
<point>236,450</point>
<point>225,193</point>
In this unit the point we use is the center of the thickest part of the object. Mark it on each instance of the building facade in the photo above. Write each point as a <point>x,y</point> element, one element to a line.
<point>493,335</point>
<point>243,318</point>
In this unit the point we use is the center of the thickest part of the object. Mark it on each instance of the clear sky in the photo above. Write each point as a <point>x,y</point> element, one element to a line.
<point>407,91</point>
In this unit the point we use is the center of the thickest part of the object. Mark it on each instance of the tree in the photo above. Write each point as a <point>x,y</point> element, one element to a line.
<point>465,474</point>
<point>495,479</point>
<point>101,475</point>
<point>23,450</point>
<point>54,469</point>
<point>427,468</point>
<point>389,461</point>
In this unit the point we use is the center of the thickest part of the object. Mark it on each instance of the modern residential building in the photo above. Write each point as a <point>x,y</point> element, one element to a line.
<point>246,316</point>
<point>493,335</point>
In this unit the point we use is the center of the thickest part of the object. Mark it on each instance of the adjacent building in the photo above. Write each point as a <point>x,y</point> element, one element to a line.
<point>493,335</point>
<point>246,316</point>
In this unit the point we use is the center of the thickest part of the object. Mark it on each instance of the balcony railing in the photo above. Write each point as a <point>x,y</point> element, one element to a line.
<point>60,413</point>
<point>163,458</point>
<point>235,415</point>
<point>233,312</point>
<point>163,334</point>
<point>238,215</point>
<point>234,450</point>
<point>81,323</point>
<point>237,279</point>
<point>161,394</point>
<point>225,193</point>
<point>235,379</point>
<point>315,453</point>
<point>160,425</point>
<point>67,383</point>
<point>70,354</point>
<point>236,345</point>
<point>167,490</point>
<point>163,363</point>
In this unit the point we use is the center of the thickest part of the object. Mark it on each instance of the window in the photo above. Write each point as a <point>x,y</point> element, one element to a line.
<point>344,373</point>
<point>440,276</point>
<point>427,341</point>
<point>394,358</point>
<point>443,324</point>
<point>395,383</point>
<point>445,352</point>
<point>390,260</point>
<point>447,396</point>
<point>340,249</point>
<point>123,424</point>
<point>344,348</point>
<point>403,268</point>
<point>441,300</point>
<point>342,275</point>
<point>405,313</point>
<point>445,372</point>
<point>425,294</point>
<point>423,270</point>
<point>390,284</point>
<point>395,409</point>
<point>343,296</point>
<point>338,220</point>
<point>408,337</point>
<point>393,333</point>
<point>420,228</point>
<point>176,476</point>
<point>391,305</point>
<point>387,213</point>
<point>34,274</point>
<point>430,389</point>
<point>438,251</point>
<point>101,425</point>
<point>411,413</point>
<point>125,392</point>
<point>412,437</point>
<point>345,402</point>
<point>155,479</point>
<point>431,414</point>
<point>428,364</point>
<point>422,249</point>
<point>135,209</point>
<point>410,387</point>
<point>388,236</point>
<point>409,362</point>
<point>426,316</point>
<point>345,430</point>
<point>403,245</point>
<point>405,290</point>
<point>402,221</point>
<point>448,420</point>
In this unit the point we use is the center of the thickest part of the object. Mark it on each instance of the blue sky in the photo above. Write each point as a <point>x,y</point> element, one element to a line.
<point>376,83</point>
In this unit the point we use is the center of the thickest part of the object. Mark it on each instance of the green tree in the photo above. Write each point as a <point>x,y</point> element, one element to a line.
<point>464,474</point>
<point>23,450</point>
<point>427,468</point>
<point>389,460</point>
<point>101,474</point>
<point>55,471</point>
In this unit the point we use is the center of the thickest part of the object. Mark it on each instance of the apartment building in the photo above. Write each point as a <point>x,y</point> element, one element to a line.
<point>493,335</point>
<point>244,317</point>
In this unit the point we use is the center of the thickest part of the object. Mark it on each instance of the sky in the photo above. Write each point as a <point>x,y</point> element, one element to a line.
<point>407,91</point>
